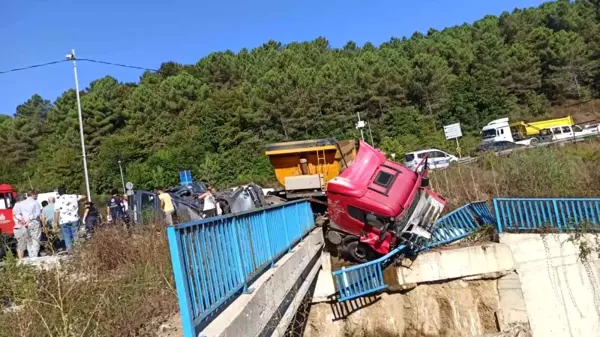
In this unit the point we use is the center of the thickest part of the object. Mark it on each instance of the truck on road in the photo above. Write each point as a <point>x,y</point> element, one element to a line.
<point>520,132</point>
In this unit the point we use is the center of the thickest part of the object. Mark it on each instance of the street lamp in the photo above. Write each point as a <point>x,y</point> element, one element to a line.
<point>71,57</point>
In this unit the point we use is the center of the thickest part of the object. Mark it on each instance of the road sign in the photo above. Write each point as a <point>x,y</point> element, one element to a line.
<point>129,185</point>
<point>452,131</point>
<point>129,192</point>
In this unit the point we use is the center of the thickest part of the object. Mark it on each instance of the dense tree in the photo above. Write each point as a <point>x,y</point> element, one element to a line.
<point>214,117</point>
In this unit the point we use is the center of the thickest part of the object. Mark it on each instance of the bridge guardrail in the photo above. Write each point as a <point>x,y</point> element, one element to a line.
<point>529,214</point>
<point>367,278</point>
<point>460,223</point>
<point>215,259</point>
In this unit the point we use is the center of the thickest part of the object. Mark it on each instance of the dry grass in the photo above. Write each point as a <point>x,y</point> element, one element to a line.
<point>569,171</point>
<point>118,284</point>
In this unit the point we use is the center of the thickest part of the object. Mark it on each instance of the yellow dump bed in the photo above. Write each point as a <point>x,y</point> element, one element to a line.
<point>322,157</point>
<point>533,128</point>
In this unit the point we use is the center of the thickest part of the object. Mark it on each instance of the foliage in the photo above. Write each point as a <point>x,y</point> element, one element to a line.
<point>119,284</point>
<point>569,171</point>
<point>214,117</point>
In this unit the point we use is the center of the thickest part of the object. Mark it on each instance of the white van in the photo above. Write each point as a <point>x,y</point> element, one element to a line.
<point>566,132</point>
<point>437,159</point>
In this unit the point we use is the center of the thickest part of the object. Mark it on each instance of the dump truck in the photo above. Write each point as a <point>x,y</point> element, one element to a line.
<point>372,204</point>
<point>520,132</point>
<point>304,168</point>
<point>376,204</point>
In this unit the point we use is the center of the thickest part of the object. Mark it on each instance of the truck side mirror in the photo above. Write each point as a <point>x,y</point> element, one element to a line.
<point>424,182</point>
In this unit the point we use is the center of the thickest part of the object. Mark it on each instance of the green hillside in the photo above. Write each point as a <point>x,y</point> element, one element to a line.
<point>214,117</point>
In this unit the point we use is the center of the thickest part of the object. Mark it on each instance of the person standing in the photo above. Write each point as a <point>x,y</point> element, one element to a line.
<point>66,215</point>
<point>210,208</point>
<point>48,213</point>
<point>90,218</point>
<point>48,225</point>
<point>28,229</point>
<point>166,204</point>
<point>114,207</point>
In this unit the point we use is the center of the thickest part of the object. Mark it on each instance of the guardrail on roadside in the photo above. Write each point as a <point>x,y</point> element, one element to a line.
<point>530,214</point>
<point>461,222</point>
<point>367,278</point>
<point>215,259</point>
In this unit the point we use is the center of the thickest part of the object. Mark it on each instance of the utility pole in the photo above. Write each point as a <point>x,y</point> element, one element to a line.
<point>360,125</point>
<point>71,57</point>
<point>122,177</point>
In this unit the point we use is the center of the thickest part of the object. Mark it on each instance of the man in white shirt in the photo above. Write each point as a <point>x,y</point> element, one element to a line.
<point>28,229</point>
<point>210,208</point>
<point>66,215</point>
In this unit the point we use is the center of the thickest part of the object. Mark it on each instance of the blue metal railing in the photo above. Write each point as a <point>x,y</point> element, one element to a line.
<point>215,259</point>
<point>461,222</point>
<point>367,278</point>
<point>363,279</point>
<point>528,214</point>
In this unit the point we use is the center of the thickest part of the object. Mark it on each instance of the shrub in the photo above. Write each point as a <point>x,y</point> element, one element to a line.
<point>118,284</point>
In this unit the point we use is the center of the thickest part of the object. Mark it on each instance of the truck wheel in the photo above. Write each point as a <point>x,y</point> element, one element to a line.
<point>359,252</point>
<point>534,141</point>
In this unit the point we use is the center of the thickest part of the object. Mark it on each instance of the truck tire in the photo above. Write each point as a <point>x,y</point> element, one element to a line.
<point>359,252</point>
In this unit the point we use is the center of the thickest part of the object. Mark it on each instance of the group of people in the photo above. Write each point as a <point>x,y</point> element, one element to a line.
<point>210,208</point>
<point>60,215</point>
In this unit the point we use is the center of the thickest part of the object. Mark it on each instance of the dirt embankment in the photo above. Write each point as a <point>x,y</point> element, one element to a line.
<point>454,309</point>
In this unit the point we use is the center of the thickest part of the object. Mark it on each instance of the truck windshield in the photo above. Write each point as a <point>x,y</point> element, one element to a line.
<point>409,157</point>
<point>486,134</point>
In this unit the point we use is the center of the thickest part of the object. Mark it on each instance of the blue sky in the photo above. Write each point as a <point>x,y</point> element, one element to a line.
<point>147,33</point>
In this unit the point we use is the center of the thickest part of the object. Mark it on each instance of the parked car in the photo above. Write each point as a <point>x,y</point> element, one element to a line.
<point>498,146</point>
<point>437,159</point>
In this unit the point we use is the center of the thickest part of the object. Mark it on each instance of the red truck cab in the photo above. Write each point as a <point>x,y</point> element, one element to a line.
<point>377,204</point>
<point>8,198</point>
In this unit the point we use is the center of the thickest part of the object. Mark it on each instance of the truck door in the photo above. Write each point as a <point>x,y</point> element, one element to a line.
<point>568,132</point>
<point>146,207</point>
<point>7,202</point>
<point>557,133</point>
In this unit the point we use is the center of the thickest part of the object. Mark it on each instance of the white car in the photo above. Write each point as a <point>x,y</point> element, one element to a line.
<point>437,159</point>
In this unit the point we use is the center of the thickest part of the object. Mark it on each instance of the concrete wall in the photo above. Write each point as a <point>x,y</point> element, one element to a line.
<point>262,310</point>
<point>562,294</point>
<point>490,260</point>
<point>455,291</point>
<point>456,308</point>
<point>486,260</point>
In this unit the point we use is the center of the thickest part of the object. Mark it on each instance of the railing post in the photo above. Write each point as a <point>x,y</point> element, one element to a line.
<point>556,212</point>
<point>297,206</point>
<point>183,293</point>
<point>263,217</point>
<point>238,256</point>
<point>285,229</point>
<point>498,218</point>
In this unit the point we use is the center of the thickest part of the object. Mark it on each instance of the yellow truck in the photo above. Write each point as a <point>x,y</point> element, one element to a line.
<point>529,129</point>
<point>519,132</point>
<point>304,168</point>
